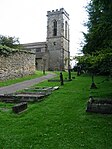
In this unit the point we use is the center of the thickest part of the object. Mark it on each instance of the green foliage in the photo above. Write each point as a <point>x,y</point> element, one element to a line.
<point>6,50</point>
<point>11,42</point>
<point>8,44</point>
<point>98,41</point>
<point>99,26</point>
<point>99,62</point>
<point>88,63</point>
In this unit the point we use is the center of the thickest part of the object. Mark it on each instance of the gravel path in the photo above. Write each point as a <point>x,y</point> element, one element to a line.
<point>22,85</point>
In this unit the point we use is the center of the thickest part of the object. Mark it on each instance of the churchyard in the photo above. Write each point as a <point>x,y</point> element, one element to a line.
<point>60,121</point>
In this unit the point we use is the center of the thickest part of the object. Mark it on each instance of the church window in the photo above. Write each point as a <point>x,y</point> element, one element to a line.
<point>38,49</point>
<point>55,28</point>
<point>66,29</point>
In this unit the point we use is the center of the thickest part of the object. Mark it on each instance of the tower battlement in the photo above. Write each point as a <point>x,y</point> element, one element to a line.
<point>58,11</point>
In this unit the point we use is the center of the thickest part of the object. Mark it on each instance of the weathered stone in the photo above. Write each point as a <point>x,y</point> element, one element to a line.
<point>19,107</point>
<point>29,95</point>
<point>99,106</point>
<point>54,54</point>
<point>17,64</point>
<point>58,39</point>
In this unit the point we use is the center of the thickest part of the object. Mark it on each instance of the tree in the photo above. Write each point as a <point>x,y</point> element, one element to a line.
<point>99,26</point>
<point>97,63</point>
<point>11,42</point>
<point>98,41</point>
<point>8,44</point>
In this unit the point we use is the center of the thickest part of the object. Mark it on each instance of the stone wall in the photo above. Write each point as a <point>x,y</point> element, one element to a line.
<point>17,64</point>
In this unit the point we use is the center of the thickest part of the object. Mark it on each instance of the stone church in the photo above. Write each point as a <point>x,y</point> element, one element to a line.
<point>54,54</point>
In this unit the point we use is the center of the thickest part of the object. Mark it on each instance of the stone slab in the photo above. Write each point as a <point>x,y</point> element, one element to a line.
<point>99,106</point>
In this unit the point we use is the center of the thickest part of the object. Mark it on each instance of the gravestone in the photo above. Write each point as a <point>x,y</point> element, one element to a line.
<point>99,106</point>
<point>19,107</point>
<point>61,78</point>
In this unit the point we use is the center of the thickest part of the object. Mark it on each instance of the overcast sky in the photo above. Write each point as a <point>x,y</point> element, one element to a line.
<point>26,19</point>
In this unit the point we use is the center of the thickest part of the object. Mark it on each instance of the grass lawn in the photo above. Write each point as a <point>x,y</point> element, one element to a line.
<point>29,77</point>
<point>60,121</point>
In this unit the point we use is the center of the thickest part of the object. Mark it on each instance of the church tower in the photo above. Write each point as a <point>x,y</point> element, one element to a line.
<point>58,39</point>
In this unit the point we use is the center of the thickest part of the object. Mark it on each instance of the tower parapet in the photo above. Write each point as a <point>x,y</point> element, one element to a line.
<point>58,11</point>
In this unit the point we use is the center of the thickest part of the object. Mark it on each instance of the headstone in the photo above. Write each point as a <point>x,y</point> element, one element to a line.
<point>99,106</point>
<point>61,78</point>
<point>19,107</point>
<point>69,74</point>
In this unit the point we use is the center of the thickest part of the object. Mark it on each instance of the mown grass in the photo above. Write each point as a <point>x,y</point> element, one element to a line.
<point>60,121</point>
<point>17,80</point>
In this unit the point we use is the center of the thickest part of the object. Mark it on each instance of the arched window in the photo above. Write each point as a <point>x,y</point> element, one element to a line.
<point>66,29</point>
<point>55,28</point>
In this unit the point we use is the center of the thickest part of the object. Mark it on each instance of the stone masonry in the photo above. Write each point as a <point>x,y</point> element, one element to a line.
<point>17,64</point>
<point>58,39</point>
<point>54,54</point>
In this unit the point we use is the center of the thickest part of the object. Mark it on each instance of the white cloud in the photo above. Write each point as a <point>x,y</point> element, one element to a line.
<point>27,19</point>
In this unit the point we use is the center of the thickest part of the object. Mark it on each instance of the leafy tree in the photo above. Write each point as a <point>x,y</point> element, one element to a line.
<point>8,44</point>
<point>99,26</point>
<point>98,63</point>
<point>98,41</point>
<point>11,42</point>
